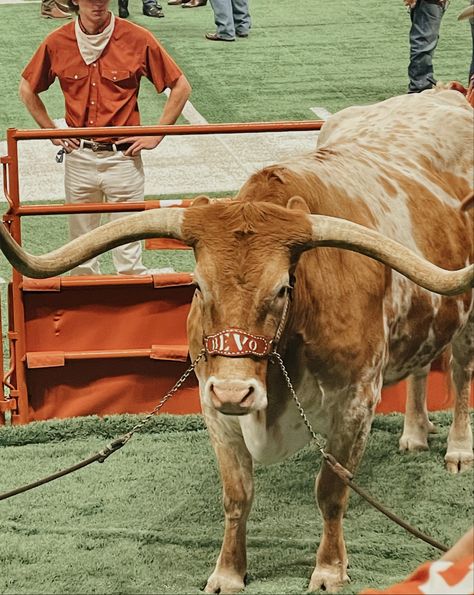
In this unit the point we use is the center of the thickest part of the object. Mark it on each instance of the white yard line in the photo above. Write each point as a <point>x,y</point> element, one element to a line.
<point>194,117</point>
<point>321,112</point>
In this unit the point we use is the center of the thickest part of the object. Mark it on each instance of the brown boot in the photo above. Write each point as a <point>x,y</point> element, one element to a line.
<point>194,4</point>
<point>50,9</point>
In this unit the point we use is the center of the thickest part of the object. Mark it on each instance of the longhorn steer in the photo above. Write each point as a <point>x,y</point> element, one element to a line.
<point>386,181</point>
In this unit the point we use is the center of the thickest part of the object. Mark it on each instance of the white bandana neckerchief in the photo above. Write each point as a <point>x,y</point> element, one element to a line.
<point>92,46</point>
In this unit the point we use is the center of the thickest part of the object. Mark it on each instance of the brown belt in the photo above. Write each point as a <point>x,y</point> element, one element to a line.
<point>96,146</point>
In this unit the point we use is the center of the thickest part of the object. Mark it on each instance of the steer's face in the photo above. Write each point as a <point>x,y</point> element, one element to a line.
<point>243,268</point>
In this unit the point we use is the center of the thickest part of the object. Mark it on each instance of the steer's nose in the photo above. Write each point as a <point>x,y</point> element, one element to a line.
<point>234,397</point>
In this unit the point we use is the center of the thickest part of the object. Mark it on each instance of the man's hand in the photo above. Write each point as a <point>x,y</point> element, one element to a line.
<point>69,144</point>
<point>139,143</point>
<point>409,3</point>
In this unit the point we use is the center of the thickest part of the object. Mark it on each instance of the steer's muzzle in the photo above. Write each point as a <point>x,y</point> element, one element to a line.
<point>236,397</point>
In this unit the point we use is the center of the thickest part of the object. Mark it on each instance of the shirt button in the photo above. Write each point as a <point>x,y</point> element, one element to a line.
<point>91,121</point>
<point>93,84</point>
<point>92,102</point>
<point>75,76</point>
<point>115,78</point>
<point>94,65</point>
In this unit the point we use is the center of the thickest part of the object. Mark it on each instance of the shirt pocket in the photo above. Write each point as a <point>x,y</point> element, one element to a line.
<point>118,79</point>
<point>73,79</point>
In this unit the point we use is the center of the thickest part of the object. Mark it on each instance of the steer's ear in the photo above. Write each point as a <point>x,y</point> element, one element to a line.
<point>297,203</point>
<point>200,201</point>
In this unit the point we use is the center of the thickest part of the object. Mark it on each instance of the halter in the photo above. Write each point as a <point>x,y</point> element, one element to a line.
<point>235,342</point>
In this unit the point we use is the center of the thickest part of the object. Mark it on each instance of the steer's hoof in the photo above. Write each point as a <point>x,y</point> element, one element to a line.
<point>220,582</point>
<point>458,461</point>
<point>413,443</point>
<point>329,579</point>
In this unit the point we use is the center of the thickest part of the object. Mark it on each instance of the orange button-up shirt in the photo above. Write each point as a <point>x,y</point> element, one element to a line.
<point>103,93</point>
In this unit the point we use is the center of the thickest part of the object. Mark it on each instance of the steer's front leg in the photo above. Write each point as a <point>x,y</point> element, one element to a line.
<point>346,442</point>
<point>331,559</point>
<point>236,469</point>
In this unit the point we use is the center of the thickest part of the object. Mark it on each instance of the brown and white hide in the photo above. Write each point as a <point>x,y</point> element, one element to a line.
<point>401,167</point>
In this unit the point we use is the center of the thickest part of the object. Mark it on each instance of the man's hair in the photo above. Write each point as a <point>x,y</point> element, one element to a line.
<point>73,7</point>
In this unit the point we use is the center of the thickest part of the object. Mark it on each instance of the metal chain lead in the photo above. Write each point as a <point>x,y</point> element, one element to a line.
<point>345,475</point>
<point>113,446</point>
<point>168,396</point>
<point>315,437</point>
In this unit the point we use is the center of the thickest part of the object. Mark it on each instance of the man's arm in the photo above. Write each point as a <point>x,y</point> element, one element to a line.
<point>174,105</point>
<point>38,111</point>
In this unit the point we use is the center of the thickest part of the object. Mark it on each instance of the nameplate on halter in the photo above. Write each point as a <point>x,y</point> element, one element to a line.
<point>236,343</point>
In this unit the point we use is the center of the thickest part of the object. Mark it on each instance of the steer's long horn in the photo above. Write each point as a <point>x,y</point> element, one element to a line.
<point>339,233</point>
<point>149,224</point>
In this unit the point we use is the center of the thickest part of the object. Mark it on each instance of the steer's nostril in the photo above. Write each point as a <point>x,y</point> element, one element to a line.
<point>247,398</point>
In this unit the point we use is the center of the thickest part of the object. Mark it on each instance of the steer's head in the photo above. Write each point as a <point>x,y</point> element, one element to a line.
<point>245,258</point>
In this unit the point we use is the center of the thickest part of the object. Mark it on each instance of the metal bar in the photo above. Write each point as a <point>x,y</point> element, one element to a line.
<point>2,363</point>
<point>172,130</point>
<point>17,324</point>
<point>101,354</point>
<point>112,280</point>
<point>69,209</point>
<point>6,161</point>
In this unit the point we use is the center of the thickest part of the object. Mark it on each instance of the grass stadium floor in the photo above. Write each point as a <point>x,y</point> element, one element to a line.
<point>149,520</point>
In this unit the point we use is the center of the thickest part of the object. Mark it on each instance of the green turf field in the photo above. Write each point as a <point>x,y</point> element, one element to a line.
<point>149,520</point>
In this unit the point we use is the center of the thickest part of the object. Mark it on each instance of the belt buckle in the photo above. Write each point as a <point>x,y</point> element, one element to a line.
<point>94,145</point>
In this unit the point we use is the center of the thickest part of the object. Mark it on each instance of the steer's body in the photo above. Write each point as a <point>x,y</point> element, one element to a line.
<point>401,167</point>
<point>386,182</point>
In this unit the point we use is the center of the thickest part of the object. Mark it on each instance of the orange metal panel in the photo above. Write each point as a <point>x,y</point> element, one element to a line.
<point>45,359</point>
<point>123,346</point>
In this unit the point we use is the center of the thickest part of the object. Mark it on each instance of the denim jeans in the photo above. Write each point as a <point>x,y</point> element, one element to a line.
<point>231,17</point>
<point>424,34</point>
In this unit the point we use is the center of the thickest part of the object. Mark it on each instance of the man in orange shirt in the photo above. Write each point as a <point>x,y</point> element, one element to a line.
<point>99,60</point>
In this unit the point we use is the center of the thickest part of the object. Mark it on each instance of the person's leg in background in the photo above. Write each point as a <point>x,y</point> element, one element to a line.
<point>123,180</point>
<point>426,18</point>
<point>81,185</point>
<point>223,17</point>
<point>123,9</point>
<point>242,22</point>
<point>151,8</point>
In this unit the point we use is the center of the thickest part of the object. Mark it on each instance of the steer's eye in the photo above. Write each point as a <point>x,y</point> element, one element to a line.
<point>197,288</point>
<point>283,291</point>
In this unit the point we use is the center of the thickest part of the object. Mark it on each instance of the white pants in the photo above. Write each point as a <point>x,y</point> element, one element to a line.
<point>104,176</point>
